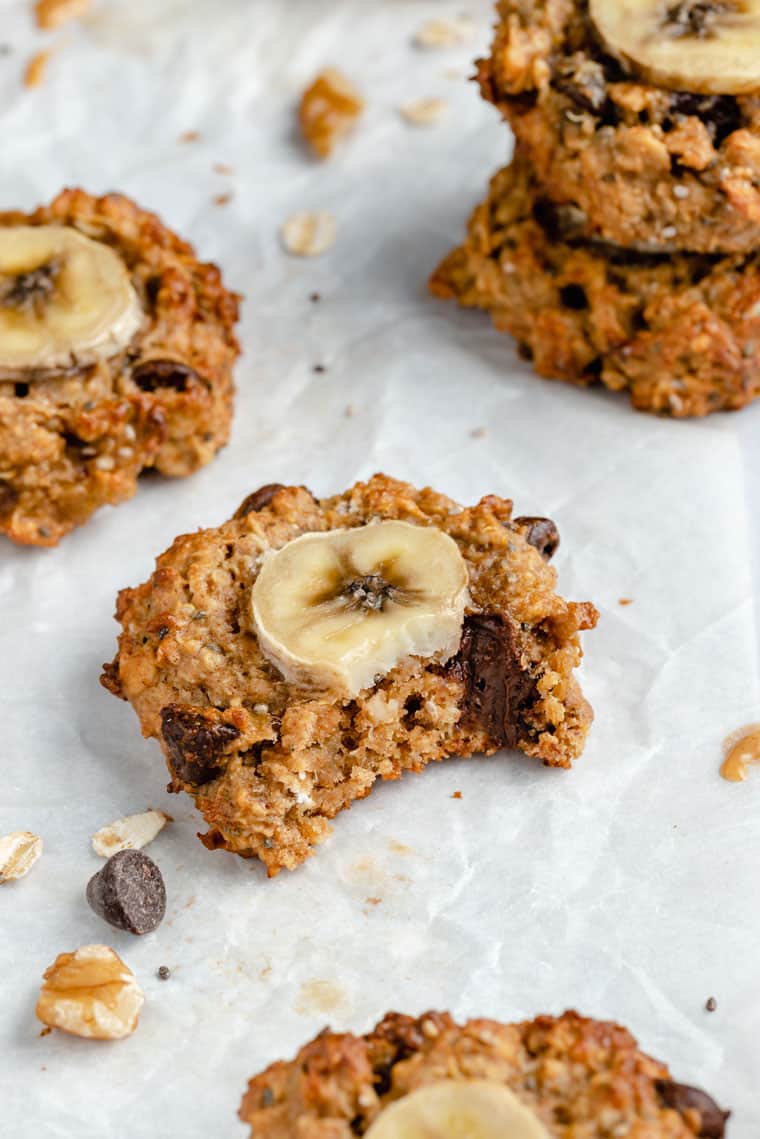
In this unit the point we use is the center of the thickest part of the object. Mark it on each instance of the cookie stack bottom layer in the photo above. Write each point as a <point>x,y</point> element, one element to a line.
<point>680,332</point>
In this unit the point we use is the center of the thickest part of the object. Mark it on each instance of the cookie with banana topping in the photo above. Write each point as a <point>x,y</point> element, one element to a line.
<point>116,354</point>
<point>641,115</point>
<point>428,1077</point>
<point>306,648</point>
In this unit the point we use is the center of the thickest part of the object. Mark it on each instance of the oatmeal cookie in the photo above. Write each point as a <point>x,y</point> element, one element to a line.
<point>680,333</point>
<point>302,650</point>
<point>116,356</point>
<point>647,166</point>
<point>574,1076</point>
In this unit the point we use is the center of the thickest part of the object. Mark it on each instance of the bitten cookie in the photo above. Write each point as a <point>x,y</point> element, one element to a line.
<point>116,354</point>
<point>645,115</point>
<point>306,648</point>
<point>549,1078</point>
<point>679,332</point>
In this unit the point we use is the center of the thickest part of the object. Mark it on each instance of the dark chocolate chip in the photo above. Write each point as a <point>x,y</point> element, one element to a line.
<point>721,114</point>
<point>498,689</point>
<point>21,390</point>
<point>154,374</point>
<point>8,496</point>
<point>163,972</point>
<point>574,297</point>
<point>195,742</point>
<point>129,892</point>
<point>258,499</point>
<point>541,533</point>
<point>712,1120</point>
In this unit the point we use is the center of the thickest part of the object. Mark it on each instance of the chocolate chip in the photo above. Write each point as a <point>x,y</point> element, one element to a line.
<point>8,496</point>
<point>195,742</point>
<point>712,1120</point>
<point>711,1004</point>
<point>163,972</point>
<point>153,374</point>
<point>498,689</point>
<point>258,499</point>
<point>129,892</point>
<point>541,533</point>
<point>721,114</point>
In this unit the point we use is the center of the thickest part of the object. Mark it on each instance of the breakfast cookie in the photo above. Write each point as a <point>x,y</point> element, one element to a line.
<point>116,355</point>
<point>549,1078</point>
<point>643,115</point>
<point>679,332</point>
<point>302,650</point>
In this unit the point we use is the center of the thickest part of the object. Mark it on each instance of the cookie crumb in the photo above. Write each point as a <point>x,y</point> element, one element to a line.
<point>478,433</point>
<point>373,901</point>
<point>35,69</point>
<point>711,1004</point>
<point>222,199</point>
<point>625,601</point>
<point>457,795</point>
<point>223,168</point>
<point>163,972</point>
<point>424,112</point>
<point>315,298</point>
<point>190,136</point>
<point>350,411</point>
<point>309,233</point>
<point>52,13</point>
<point>319,368</point>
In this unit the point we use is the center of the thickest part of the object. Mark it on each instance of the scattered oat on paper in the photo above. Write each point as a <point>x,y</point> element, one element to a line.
<point>310,233</point>
<point>18,853</point>
<point>444,33</point>
<point>52,13</point>
<point>133,832</point>
<point>424,112</point>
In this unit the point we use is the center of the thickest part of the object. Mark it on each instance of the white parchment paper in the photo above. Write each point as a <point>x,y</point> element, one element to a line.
<point>626,888</point>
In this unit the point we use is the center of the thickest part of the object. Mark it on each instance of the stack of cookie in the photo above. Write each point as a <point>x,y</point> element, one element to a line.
<point>622,244</point>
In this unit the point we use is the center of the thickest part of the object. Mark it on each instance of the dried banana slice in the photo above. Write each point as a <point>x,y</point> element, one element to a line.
<point>458,1109</point>
<point>334,610</point>
<point>65,300</point>
<point>703,46</point>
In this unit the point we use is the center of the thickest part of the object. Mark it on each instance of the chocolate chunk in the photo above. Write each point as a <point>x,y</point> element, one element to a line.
<point>258,499</point>
<point>129,892</point>
<point>8,496</point>
<point>195,742</point>
<point>712,1120</point>
<point>261,498</point>
<point>541,533</point>
<point>498,690</point>
<point>153,374</point>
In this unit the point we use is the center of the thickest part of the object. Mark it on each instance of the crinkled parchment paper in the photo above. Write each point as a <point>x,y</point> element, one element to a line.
<point>626,888</point>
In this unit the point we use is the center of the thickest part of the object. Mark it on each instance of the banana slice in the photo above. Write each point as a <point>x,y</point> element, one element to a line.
<point>65,300</point>
<point>458,1109</point>
<point>333,610</point>
<point>707,47</point>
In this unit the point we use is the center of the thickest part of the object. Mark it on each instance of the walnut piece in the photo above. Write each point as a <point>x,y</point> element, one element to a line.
<point>133,832</point>
<point>18,853</point>
<point>91,993</point>
<point>329,109</point>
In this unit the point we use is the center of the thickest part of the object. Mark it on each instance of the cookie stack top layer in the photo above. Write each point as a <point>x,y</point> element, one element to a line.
<point>644,116</point>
